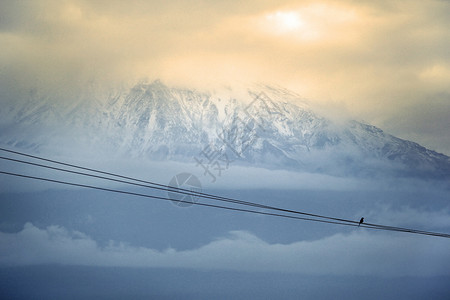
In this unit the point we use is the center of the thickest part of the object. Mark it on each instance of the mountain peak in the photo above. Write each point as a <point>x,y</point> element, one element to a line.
<point>264,126</point>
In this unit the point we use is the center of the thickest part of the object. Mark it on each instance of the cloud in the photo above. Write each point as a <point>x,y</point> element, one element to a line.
<point>409,217</point>
<point>357,253</point>
<point>377,58</point>
<point>425,122</point>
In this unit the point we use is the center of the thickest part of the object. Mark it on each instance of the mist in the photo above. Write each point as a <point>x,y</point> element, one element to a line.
<point>385,62</point>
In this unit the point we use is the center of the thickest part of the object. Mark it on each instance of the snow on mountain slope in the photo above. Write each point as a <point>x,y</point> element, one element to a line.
<point>271,127</point>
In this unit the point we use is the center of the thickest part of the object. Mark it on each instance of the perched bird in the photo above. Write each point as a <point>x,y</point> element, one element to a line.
<point>361,221</point>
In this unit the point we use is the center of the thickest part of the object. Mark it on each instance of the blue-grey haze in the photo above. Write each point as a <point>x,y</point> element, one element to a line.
<point>61,242</point>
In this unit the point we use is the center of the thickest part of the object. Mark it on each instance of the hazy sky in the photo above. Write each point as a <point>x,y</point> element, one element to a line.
<point>386,62</point>
<point>241,251</point>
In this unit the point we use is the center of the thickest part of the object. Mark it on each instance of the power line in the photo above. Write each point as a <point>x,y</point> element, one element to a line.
<point>168,199</point>
<point>181,191</point>
<point>196,194</point>
<point>163,187</point>
<point>209,196</point>
<point>215,206</point>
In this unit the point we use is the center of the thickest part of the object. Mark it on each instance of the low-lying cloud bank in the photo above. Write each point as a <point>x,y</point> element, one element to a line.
<point>235,177</point>
<point>358,253</point>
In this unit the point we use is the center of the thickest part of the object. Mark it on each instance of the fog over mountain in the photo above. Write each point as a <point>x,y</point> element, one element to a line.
<point>323,107</point>
<point>264,126</point>
<point>260,143</point>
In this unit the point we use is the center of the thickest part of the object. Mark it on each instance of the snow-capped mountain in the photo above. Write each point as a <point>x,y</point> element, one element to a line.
<point>265,126</point>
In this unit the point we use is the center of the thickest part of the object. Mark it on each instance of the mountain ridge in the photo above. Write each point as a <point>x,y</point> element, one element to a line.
<point>272,128</point>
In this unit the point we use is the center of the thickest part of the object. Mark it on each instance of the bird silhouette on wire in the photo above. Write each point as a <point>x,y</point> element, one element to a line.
<point>361,221</point>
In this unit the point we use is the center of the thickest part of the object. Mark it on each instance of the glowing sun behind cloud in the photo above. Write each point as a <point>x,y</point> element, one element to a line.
<point>308,23</point>
<point>286,20</point>
<point>386,61</point>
